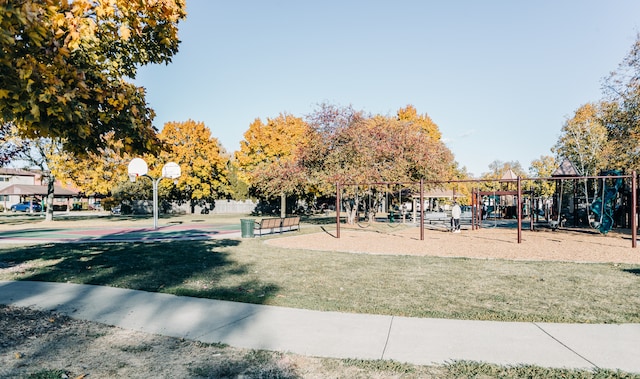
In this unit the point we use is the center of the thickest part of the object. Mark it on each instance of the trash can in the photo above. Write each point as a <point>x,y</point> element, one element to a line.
<point>246,227</point>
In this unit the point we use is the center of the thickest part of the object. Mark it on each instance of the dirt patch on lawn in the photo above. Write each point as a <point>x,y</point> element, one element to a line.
<point>37,344</point>
<point>487,243</point>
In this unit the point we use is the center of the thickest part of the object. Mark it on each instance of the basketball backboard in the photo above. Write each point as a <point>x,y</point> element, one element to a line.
<point>171,170</point>
<point>138,167</point>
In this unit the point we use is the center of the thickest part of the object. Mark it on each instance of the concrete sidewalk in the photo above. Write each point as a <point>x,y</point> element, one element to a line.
<point>339,335</point>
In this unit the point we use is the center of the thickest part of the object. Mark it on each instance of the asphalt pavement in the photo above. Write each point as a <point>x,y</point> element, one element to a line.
<point>338,335</point>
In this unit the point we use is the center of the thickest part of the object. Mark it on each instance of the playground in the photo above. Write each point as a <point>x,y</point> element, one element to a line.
<point>486,243</point>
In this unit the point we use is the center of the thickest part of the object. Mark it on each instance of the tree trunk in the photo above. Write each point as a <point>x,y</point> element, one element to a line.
<point>50,188</point>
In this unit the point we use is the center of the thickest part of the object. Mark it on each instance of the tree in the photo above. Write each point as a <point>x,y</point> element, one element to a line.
<point>410,114</point>
<point>202,159</point>
<point>42,153</point>
<point>583,140</point>
<point>543,168</point>
<point>369,149</point>
<point>622,112</point>
<point>64,63</point>
<point>268,153</point>
<point>94,173</point>
<point>11,144</point>
<point>239,189</point>
<point>497,171</point>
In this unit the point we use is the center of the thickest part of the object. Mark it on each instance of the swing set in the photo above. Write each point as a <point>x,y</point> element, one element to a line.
<point>602,207</point>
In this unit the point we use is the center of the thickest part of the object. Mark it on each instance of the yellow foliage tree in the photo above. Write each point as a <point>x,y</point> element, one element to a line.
<point>267,160</point>
<point>543,168</point>
<point>270,147</point>
<point>409,113</point>
<point>94,173</point>
<point>65,64</point>
<point>202,160</point>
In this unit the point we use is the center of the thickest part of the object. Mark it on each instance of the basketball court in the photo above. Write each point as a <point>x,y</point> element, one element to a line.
<point>105,234</point>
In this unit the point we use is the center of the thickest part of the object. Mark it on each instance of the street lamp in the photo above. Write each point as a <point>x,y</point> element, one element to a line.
<point>138,167</point>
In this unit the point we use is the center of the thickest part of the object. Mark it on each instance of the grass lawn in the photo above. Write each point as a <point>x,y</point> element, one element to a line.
<point>247,270</point>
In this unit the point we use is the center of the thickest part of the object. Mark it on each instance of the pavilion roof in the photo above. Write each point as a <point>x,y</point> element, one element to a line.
<point>32,190</point>
<point>566,168</point>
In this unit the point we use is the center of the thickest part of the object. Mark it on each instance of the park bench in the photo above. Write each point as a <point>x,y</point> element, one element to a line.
<point>270,225</point>
<point>290,223</point>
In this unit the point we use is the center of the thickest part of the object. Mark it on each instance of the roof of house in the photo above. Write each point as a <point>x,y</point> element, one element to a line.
<point>31,190</point>
<point>15,172</point>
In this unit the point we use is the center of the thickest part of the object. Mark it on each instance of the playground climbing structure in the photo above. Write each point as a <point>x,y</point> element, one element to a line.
<point>603,206</point>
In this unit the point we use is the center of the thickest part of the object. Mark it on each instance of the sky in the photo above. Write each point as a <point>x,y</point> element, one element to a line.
<point>499,78</point>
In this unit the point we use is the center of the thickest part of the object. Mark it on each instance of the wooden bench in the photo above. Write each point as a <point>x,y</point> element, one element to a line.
<point>290,223</point>
<point>271,224</point>
<point>268,224</point>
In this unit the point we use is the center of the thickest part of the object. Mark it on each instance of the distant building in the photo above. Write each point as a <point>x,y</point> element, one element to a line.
<point>11,176</point>
<point>17,185</point>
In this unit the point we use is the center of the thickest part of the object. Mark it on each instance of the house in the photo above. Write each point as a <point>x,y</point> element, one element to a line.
<point>12,176</point>
<point>17,185</point>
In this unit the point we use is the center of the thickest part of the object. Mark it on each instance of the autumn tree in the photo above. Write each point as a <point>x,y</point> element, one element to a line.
<point>622,112</point>
<point>543,167</point>
<point>410,114</point>
<point>239,188</point>
<point>95,173</point>
<point>497,170</point>
<point>462,189</point>
<point>267,156</point>
<point>583,140</point>
<point>202,159</point>
<point>64,66</point>
<point>368,149</point>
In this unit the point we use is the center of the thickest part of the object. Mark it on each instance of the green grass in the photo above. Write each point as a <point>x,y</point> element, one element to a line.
<point>247,270</point>
<point>468,369</point>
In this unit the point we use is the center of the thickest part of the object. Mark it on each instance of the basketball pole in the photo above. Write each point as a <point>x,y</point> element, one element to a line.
<point>155,201</point>
<point>138,167</point>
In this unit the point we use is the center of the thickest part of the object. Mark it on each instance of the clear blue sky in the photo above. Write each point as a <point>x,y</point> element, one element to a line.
<point>498,77</point>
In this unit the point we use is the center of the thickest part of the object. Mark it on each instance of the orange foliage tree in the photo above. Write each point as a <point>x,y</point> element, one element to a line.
<point>350,147</point>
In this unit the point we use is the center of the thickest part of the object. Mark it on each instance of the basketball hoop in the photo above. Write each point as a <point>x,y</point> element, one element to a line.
<point>137,167</point>
<point>171,170</point>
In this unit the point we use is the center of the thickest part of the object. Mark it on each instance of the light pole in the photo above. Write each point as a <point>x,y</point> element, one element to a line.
<point>138,167</point>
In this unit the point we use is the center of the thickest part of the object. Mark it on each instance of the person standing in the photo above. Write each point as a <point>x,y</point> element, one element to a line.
<point>456,212</point>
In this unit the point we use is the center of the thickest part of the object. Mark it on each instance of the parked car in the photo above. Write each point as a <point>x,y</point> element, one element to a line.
<point>24,207</point>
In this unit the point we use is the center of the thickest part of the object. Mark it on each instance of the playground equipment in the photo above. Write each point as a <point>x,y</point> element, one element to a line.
<point>603,206</point>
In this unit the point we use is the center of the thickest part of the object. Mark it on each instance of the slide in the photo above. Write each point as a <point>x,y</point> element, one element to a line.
<point>603,206</point>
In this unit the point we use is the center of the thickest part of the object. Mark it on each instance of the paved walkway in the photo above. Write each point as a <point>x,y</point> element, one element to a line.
<point>338,335</point>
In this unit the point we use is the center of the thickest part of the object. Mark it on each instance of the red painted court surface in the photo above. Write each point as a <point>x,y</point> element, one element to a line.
<point>120,234</point>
